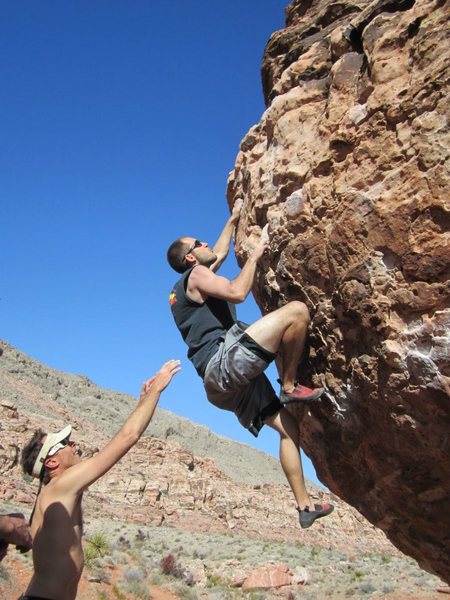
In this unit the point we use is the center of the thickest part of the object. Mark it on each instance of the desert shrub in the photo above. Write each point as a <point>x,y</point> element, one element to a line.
<point>215,581</point>
<point>136,589</point>
<point>256,595</point>
<point>367,588</point>
<point>4,573</point>
<point>157,578</point>
<point>141,536</point>
<point>101,576</point>
<point>119,595</point>
<point>119,558</point>
<point>169,566</point>
<point>90,555</point>
<point>95,547</point>
<point>133,574</point>
<point>123,542</point>
<point>223,594</point>
<point>185,592</point>
<point>99,543</point>
<point>357,574</point>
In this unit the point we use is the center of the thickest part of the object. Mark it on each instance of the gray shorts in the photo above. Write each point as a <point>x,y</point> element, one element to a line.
<point>234,379</point>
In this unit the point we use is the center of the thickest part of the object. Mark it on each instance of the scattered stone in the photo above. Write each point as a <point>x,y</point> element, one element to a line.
<point>268,576</point>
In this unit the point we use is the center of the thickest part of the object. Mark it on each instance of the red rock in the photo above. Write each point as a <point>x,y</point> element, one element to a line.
<point>268,576</point>
<point>349,168</point>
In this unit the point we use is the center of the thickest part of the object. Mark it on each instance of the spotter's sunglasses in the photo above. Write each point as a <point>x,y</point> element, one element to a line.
<point>59,446</point>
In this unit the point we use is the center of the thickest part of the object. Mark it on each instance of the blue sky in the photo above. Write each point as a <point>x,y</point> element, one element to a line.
<point>120,123</point>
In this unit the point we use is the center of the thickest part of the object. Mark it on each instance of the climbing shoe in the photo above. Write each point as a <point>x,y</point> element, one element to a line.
<point>308,516</point>
<point>300,393</point>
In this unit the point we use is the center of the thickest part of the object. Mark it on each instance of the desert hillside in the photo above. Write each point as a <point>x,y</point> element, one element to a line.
<point>179,474</point>
<point>174,493</point>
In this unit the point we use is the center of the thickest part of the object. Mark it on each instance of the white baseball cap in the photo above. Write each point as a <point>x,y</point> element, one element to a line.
<point>51,440</point>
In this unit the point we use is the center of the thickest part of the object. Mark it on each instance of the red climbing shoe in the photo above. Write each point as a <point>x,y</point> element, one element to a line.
<point>300,393</point>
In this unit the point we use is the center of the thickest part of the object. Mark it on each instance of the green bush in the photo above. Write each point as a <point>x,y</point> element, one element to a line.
<point>95,546</point>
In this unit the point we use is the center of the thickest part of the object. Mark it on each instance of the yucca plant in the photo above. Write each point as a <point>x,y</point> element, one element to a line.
<point>95,546</point>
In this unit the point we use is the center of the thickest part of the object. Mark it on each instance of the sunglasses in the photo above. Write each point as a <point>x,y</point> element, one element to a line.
<point>59,446</point>
<point>195,245</point>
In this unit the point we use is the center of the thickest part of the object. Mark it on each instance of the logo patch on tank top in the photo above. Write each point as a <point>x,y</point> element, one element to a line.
<point>172,297</point>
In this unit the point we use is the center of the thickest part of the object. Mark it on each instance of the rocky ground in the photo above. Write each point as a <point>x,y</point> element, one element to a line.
<point>131,561</point>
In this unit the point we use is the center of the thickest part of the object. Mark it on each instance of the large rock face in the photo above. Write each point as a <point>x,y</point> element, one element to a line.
<point>349,167</point>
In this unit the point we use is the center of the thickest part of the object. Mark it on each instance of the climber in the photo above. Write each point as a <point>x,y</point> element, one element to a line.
<point>231,357</point>
<point>56,521</point>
